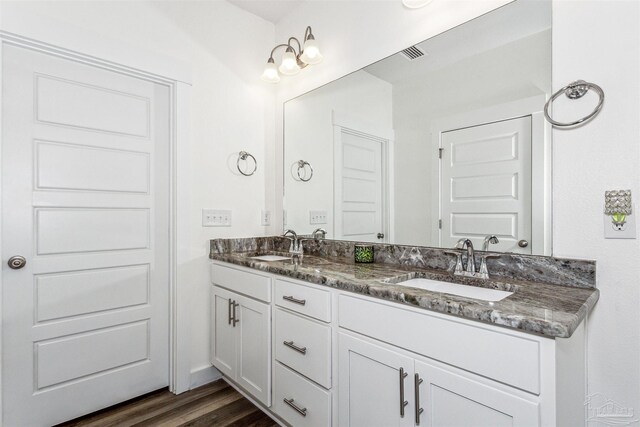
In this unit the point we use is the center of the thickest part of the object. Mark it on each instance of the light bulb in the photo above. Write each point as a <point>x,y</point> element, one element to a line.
<point>311,52</point>
<point>416,4</point>
<point>270,73</point>
<point>289,65</point>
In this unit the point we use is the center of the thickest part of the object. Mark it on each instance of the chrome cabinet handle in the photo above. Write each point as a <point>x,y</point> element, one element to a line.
<point>291,345</point>
<point>294,300</point>
<point>16,262</point>
<point>416,384</point>
<point>230,315</point>
<point>523,243</point>
<point>403,402</point>
<point>235,319</point>
<point>301,411</point>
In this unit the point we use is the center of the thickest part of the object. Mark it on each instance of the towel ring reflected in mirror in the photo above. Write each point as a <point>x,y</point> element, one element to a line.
<point>302,166</point>
<point>575,90</point>
<point>243,155</point>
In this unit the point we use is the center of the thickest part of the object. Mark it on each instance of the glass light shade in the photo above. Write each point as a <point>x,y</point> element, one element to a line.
<point>270,73</point>
<point>311,52</point>
<point>416,4</point>
<point>289,65</point>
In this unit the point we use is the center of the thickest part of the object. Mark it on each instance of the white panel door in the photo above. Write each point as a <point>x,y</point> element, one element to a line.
<point>451,400</point>
<point>358,187</point>
<point>85,197</point>
<point>486,184</point>
<point>373,383</point>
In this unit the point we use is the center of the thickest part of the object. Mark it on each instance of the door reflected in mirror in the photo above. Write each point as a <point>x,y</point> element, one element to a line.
<point>444,141</point>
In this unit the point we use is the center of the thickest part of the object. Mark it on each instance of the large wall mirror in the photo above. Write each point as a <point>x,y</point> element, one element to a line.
<point>442,141</point>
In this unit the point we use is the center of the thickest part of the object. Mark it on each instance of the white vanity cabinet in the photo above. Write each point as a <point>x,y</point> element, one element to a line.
<point>241,329</point>
<point>400,366</point>
<point>383,387</point>
<point>303,347</point>
<point>344,359</point>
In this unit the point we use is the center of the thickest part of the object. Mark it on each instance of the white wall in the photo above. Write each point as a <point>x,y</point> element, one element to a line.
<point>231,109</point>
<point>474,83</point>
<point>592,40</point>
<point>309,136</point>
<point>599,41</point>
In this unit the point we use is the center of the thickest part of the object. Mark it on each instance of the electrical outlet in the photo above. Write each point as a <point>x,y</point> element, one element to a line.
<point>216,218</point>
<point>625,231</point>
<point>317,217</point>
<point>265,217</point>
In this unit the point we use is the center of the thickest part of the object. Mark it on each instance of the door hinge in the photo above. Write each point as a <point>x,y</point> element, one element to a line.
<point>440,224</point>
<point>440,150</point>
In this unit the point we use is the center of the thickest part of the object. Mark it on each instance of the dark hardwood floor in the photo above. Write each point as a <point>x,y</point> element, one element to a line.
<point>216,404</point>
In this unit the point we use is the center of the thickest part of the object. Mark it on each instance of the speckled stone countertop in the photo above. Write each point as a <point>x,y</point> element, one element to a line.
<point>548,309</point>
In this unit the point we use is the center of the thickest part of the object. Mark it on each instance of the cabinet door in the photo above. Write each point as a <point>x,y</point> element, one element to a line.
<point>224,346</point>
<point>254,348</point>
<point>371,385</point>
<point>451,399</point>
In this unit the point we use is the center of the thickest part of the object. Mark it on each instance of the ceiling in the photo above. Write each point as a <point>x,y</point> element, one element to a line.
<point>270,10</point>
<point>507,24</point>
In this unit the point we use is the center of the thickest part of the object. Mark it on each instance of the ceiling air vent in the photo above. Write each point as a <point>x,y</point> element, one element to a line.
<point>413,52</point>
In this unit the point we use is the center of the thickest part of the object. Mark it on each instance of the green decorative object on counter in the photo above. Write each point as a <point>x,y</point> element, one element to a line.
<point>363,253</point>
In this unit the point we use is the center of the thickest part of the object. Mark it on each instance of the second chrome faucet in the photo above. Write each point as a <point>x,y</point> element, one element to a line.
<point>470,270</point>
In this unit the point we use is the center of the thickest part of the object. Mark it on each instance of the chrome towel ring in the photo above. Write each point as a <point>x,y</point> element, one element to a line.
<point>575,90</point>
<point>302,166</point>
<point>243,156</point>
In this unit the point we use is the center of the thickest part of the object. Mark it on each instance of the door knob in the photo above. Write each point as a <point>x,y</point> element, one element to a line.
<point>16,262</point>
<point>523,243</point>
<point>380,235</point>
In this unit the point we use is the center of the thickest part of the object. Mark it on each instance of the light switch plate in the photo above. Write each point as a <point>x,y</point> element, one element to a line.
<point>627,231</point>
<point>216,218</point>
<point>317,217</point>
<point>265,217</point>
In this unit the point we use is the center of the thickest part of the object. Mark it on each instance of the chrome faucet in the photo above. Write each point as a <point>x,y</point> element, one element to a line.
<point>295,247</point>
<point>484,271</point>
<point>317,231</point>
<point>471,257</point>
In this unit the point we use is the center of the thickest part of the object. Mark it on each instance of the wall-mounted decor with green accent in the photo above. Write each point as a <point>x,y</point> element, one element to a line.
<point>363,253</point>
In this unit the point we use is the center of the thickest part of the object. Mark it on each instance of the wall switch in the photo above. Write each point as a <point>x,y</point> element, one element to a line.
<point>216,218</point>
<point>317,217</point>
<point>265,217</point>
<point>624,231</point>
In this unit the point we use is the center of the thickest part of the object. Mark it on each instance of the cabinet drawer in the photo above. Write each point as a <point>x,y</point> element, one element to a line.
<point>498,355</point>
<point>308,348</point>
<point>312,402</point>
<point>304,299</point>
<point>253,285</point>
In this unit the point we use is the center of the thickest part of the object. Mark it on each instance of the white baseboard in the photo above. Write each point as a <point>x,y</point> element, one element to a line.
<point>204,375</point>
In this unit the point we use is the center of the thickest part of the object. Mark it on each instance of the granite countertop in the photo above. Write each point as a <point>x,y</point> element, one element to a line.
<point>549,310</point>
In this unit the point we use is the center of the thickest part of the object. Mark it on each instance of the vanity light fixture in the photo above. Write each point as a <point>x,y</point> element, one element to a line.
<point>415,4</point>
<point>293,60</point>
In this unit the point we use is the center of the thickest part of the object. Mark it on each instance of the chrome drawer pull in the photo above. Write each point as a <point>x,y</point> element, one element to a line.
<point>295,300</point>
<point>403,402</point>
<point>416,384</point>
<point>291,345</point>
<point>230,315</point>
<point>235,319</point>
<point>301,411</point>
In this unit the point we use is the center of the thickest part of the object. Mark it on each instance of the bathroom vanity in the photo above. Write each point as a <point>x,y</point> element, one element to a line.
<point>323,341</point>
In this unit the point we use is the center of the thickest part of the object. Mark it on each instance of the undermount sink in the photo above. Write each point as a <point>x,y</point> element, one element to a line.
<point>271,258</point>
<point>484,294</point>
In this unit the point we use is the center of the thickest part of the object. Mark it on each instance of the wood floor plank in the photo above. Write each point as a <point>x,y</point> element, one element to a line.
<point>224,416</point>
<point>216,404</point>
<point>193,410</point>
